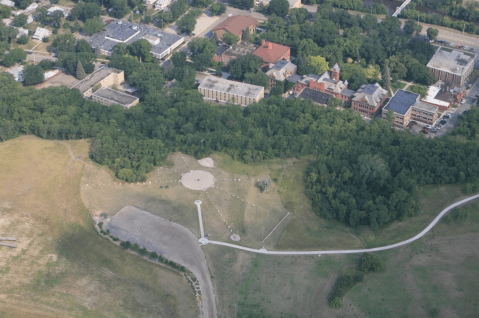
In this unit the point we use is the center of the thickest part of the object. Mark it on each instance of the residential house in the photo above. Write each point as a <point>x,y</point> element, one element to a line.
<point>41,33</point>
<point>271,53</point>
<point>31,7</point>
<point>226,91</point>
<point>406,106</point>
<point>53,9</point>
<point>7,3</point>
<point>369,99</point>
<point>17,73</point>
<point>21,31</point>
<point>162,4</point>
<point>280,71</point>
<point>236,25</point>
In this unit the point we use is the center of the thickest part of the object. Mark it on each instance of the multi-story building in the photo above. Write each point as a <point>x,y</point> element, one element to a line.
<point>452,68</point>
<point>107,96</point>
<point>103,77</point>
<point>328,83</point>
<point>406,106</point>
<point>236,25</point>
<point>272,53</point>
<point>280,71</point>
<point>369,99</point>
<point>119,31</point>
<point>226,91</point>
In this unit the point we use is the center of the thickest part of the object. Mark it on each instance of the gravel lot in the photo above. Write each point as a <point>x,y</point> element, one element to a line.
<point>169,239</point>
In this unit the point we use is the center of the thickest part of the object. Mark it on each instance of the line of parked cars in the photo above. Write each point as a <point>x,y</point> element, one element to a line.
<point>442,121</point>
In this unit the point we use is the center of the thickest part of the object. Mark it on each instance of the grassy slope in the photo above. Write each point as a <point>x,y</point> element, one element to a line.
<point>62,267</point>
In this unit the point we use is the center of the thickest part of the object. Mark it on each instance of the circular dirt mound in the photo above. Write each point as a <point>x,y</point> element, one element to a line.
<point>198,180</point>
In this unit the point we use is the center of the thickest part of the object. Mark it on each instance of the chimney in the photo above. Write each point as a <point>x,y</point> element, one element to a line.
<point>270,46</point>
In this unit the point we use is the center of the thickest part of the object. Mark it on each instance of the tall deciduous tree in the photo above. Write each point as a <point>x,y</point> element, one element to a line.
<point>317,64</point>
<point>432,33</point>
<point>33,74</point>
<point>387,77</point>
<point>278,7</point>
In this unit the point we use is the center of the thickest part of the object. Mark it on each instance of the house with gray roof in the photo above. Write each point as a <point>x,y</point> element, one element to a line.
<point>280,71</point>
<point>406,106</point>
<point>119,31</point>
<point>452,68</point>
<point>369,99</point>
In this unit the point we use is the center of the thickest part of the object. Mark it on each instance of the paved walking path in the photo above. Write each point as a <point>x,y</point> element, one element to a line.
<point>367,250</point>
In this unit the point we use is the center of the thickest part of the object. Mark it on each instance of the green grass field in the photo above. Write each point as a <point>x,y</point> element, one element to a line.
<point>61,266</point>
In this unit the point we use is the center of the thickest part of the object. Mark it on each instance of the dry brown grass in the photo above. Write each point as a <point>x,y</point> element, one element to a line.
<point>62,267</point>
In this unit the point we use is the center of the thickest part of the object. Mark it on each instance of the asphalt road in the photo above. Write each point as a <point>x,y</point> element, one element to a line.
<point>173,241</point>
<point>367,250</point>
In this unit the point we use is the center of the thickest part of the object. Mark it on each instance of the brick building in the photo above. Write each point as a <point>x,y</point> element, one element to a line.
<point>369,99</point>
<point>406,106</point>
<point>452,68</point>
<point>272,53</point>
<point>237,25</point>
<point>328,83</point>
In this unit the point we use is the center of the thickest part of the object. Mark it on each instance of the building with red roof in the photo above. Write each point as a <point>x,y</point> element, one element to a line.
<point>236,25</point>
<point>271,52</point>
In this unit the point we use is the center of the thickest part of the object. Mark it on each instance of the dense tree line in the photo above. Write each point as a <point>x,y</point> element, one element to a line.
<point>467,26</point>
<point>364,174</point>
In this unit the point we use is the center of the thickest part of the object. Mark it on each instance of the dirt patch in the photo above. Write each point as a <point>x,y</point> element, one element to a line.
<point>60,79</point>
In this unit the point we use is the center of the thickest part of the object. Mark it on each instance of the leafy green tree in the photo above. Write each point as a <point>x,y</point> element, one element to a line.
<point>298,16</point>
<point>120,8</point>
<point>230,38</point>
<point>202,3</point>
<point>278,7</point>
<point>82,46</point>
<point>46,64</point>
<point>5,12</point>
<point>127,175</point>
<point>141,49</point>
<point>179,59</point>
<point>244,4</point>
<point>369,22</point>
<point>317,64</point>
<point>63,43</point>
<point>432,33</point>
<point>357,80</point>
<point>334,102</point>
<point>80,73</point>
<point>20,20</point>
<point>218,8</point>
<point>153,255</point>
<point>259,78</point>
<point>244,64</point>
<point>23,39</point>
<point>33,74</point>
<point>93,25</point>
<point>23,4</point>
<point>371,263</point>
<point>411,26</point>
<point>14,56</point>
<point>85,10</point>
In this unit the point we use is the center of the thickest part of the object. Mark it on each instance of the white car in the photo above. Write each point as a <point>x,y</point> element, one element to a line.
<point>229,15</point>
<point>463,101</point>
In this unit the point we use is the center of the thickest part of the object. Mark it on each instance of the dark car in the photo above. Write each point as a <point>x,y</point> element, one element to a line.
<point>443,122</point>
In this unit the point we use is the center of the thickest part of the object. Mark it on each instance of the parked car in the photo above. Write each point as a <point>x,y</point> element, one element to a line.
<point>443,122</point>
<point>463,101</point>
<point>428,127</point>
<point>446,115</point>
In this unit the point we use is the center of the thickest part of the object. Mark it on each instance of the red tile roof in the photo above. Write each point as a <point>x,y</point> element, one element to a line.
<point>237,24</point>
<point>271,52</point>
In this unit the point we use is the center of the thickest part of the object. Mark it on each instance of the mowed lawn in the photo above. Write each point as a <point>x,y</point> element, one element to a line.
<point>62,267</point>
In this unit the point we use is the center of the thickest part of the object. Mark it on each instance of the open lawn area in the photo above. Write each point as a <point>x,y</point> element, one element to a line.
<point>61,266</point>
<point>395,86</point>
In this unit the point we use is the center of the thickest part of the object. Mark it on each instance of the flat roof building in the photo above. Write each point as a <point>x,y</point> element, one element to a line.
<point>223,90</point>
<point>120,31</point>
<point>452,68</point>
<point>104,77</point>
<point>226,53</point>
<point>108,96</point>
<point>406,106</point>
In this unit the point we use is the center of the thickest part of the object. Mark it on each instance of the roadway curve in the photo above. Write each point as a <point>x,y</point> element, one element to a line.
<point>367,250</point>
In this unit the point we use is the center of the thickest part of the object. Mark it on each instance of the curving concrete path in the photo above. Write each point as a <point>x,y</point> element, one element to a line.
<point>375,249</point>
